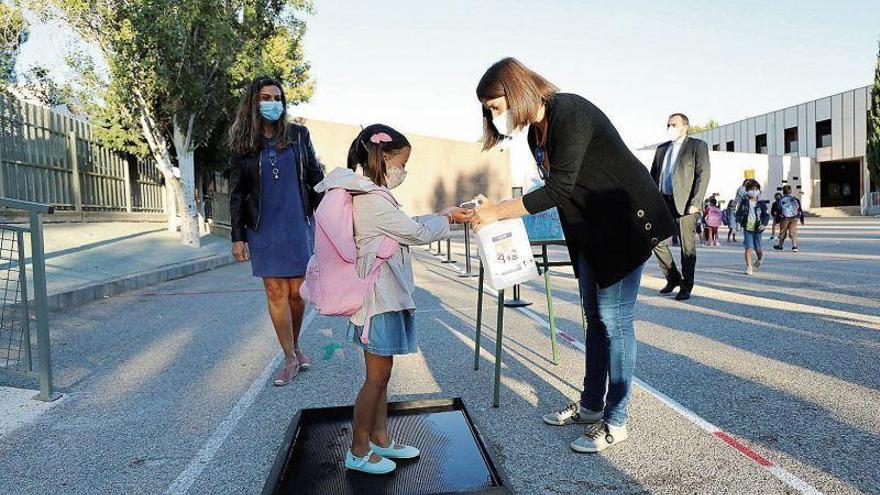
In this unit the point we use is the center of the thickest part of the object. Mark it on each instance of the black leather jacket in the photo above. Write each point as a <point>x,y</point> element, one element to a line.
<point>244,183</point>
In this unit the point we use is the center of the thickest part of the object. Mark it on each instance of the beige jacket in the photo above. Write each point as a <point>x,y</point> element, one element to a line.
<point>374,218</point>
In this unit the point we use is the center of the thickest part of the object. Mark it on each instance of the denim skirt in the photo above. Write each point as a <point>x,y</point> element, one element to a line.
<point>390,334</point>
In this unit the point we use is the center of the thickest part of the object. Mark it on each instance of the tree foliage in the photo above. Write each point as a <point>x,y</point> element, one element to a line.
<point>13,33</point>
<point>184,60</point>
<point>175,72</point>
<point>712,124</point>
<point>873,145</point>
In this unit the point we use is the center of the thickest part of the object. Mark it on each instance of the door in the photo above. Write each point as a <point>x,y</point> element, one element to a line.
<point>841,184</point>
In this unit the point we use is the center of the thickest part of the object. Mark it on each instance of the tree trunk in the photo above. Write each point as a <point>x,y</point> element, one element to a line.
<point>186,185</point>
<point>170,201</point>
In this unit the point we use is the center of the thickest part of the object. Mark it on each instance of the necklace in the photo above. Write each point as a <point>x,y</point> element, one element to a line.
<point>273,162</point>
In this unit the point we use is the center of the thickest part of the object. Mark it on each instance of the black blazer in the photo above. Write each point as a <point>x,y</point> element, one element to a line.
<point>244,183</point>
<point>611,210</point>
<point>690,179</point>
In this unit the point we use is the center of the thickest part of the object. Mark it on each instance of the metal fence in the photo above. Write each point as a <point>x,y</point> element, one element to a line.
<point>16,351</point>
<point>50,158</point>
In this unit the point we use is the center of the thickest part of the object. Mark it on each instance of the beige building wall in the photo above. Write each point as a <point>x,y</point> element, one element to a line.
<point>440,172</point>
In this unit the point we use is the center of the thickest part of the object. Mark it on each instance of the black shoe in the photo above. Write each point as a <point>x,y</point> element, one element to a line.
<point>670,286</point>
<point>778,248</point>
<point>683,295</point>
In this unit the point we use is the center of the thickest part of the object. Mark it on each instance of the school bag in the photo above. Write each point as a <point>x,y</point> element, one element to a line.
<point>331,282</point>
<point>789,206</point>
<point>714,216</point>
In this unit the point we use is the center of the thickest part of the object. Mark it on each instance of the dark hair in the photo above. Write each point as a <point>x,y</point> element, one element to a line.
<point>524,89</point>
<point>369,154</point>
<point>713,201</point>
<point>786,189</point>
<point>752,183</point>
<point>683,117</point>
<point>778,194</point>
<point>245,133</point>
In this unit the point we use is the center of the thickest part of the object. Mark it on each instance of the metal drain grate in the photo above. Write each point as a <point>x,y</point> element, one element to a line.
<point>454,457</point>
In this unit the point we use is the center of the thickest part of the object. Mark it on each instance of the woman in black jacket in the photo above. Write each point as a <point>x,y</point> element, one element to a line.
<point>274,170</point>
<point>612,215</point>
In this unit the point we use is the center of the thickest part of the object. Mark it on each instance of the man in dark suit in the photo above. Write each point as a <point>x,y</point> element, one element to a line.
<point>681,171</point>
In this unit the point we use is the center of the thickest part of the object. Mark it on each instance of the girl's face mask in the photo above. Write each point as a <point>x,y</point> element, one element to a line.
<point>394,176</point>
<point>754,193</point>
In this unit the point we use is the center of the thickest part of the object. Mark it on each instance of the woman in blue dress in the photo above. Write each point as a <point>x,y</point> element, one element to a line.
<point>274,170</point>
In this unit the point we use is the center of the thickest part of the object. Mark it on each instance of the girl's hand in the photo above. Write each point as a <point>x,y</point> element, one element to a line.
<point>458,215</point>
<point>240,251</point>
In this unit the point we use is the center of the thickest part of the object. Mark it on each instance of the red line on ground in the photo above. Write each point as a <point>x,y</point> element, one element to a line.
<point>566,336</point>
<point>751,454</point>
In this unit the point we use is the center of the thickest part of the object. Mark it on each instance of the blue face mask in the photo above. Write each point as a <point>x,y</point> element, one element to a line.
<point>271,110</point>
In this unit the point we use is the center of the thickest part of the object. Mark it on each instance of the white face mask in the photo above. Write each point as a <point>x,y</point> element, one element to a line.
<point>394,176</point>
<point>504,123</point>
<point>673,133</point>
<point>754,193</point>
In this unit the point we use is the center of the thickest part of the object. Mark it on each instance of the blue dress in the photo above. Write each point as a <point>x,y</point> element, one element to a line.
<point>284,239</point>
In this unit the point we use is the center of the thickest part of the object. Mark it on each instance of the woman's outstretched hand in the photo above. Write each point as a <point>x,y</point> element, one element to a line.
<point>486,214</point>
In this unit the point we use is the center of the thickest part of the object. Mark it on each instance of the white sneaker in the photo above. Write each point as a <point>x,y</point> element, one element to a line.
<point>574,413</point>
<point>363,464</point>
<point>757,264</point>
<point>749,270</point>
<point>600,436</point>
<point>394,451</point>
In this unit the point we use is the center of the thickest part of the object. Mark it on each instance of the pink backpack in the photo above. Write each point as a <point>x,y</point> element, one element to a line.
<point>713,216</point>
<point>332,283</point>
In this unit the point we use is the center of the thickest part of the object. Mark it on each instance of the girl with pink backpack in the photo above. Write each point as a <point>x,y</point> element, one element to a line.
<point>712,214</point>
<point>384,325</point>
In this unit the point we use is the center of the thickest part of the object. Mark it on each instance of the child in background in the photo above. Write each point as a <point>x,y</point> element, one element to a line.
<point>732,225</point>
<point>776,213</point>
<point>712,214</point>
<point>753,216</point>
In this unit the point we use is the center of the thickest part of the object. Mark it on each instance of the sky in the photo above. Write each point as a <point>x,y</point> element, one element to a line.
<point>415,64</point>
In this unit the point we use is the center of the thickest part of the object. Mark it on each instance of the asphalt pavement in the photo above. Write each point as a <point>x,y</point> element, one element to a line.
<point>759,384</point>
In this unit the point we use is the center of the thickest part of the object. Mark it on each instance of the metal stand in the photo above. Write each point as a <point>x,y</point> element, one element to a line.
<point>516,302</point>
<point>448,259</point>
<point>544,265</point>
<point>467,252</point>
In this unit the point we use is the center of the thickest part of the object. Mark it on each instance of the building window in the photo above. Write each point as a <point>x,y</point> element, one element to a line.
<point>791,140</point>
<point>823,133</point>
<point>716,147</point>
<point>730,146</point>
<point>761,144</point>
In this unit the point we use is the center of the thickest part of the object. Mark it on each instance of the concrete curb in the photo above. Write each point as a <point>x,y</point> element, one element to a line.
<point>134,281</point>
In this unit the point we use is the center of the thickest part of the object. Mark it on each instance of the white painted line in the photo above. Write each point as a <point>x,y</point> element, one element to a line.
<point>777,471</point>
<point>185,480</point>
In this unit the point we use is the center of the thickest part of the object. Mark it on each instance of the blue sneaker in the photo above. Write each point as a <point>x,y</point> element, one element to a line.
<point>363,464</point>
<point>394,451</point>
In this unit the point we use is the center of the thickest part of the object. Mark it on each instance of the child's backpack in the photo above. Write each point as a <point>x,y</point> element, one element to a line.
<point>725,216</point>
<point>714,216</point>
<point>332,283</point>
<point>789,206</point>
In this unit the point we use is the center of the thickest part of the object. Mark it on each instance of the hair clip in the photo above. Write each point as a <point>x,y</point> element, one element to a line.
<point>380,137</point>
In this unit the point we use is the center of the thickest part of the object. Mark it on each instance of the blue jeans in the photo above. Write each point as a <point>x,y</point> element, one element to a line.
<point>752,239</point>
<point>611,343</point>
